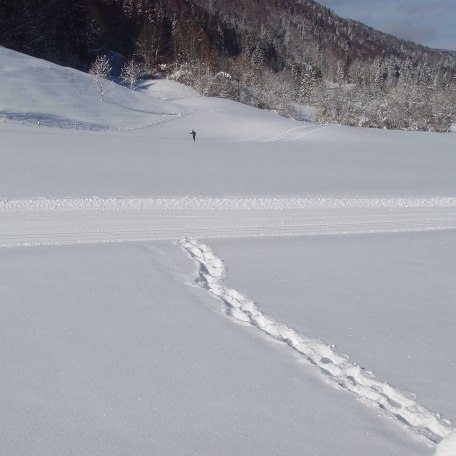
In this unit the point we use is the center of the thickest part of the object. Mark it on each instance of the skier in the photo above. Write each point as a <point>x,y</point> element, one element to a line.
<point>193,133</point>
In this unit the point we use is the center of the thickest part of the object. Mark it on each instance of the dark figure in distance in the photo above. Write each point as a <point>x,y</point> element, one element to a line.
<point>193,133</point>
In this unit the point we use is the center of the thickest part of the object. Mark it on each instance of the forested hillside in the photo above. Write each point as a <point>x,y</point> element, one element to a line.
<point>270,53</point>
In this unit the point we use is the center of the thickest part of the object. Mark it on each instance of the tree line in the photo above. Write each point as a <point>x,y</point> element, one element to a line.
<point>273,54</point>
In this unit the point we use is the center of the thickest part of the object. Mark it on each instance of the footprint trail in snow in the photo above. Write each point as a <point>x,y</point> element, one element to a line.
<point>336,368</point>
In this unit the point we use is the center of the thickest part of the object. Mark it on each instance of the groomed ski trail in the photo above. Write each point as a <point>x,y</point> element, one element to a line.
<point>191,203</point>
<point>336,368</point>
<point>93,220</point>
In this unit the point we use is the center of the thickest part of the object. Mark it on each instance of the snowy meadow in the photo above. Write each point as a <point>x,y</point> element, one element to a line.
<point>274,287</point>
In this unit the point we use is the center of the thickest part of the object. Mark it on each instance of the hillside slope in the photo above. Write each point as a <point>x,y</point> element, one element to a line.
<point>268,54</point>
<point>69,31</point>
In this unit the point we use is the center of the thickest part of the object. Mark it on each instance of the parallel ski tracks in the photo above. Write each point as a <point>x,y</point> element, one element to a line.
<point>76,226</point>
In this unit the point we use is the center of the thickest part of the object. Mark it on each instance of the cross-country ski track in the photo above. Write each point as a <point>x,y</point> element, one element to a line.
<point>76,221</point>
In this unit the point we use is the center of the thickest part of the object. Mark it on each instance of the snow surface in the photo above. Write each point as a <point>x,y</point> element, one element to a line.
<point>107,351</point>
<point>376,297</point>
<point>123,348</point>
<point>335,367</point>
<point>448,446</point>
<point>38,91</point>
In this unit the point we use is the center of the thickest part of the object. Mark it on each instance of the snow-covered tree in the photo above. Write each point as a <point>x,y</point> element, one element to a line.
<point>131,74</point>
<point>340,74</point>
<point>222,85</point>
<point>100,71</point>
<point>308,85</point>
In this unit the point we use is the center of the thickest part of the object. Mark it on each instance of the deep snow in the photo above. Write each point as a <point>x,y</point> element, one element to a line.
<point>335,367</point>
<point>376,297</point>
<point>109,349</point>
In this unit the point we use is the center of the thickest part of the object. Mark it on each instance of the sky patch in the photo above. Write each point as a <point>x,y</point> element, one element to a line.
<point>426,22</point>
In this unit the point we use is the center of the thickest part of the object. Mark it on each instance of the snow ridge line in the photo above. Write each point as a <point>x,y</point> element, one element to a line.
<point>218,203</point>
<point>336,368</point>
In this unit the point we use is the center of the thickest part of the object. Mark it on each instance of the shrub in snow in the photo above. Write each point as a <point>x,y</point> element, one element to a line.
<point>183,73</point>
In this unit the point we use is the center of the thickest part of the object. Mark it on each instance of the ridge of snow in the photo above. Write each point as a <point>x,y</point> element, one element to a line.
<point>225,203</point>
<point>337,369</point>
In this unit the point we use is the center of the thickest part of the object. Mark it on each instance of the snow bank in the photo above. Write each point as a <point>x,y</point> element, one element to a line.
<point>447,447</point>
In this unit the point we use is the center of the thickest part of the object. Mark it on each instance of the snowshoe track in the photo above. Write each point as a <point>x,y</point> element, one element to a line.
<point>336,368</point>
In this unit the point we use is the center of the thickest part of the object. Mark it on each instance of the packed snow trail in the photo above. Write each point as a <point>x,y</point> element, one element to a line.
<point>94,220</point>
<point>222,203</point>
<point>336,368</point>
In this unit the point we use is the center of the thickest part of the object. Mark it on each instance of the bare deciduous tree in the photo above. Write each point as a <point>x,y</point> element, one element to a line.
<point>131,74</point>
<point>100,71</point>
<point>148,48</point>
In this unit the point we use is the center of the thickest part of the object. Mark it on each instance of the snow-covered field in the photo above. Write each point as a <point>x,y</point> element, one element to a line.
<point>274,287</point>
